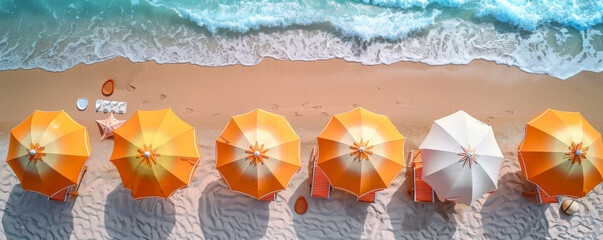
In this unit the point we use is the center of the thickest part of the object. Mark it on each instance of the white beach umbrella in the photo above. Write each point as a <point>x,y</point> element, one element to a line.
<point>461,158</point>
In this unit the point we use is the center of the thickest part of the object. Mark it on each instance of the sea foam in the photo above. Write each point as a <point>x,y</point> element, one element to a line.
<point>559,38</point>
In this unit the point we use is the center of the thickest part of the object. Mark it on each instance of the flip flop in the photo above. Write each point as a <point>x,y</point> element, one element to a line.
<point>301,205</point>
<point>108,87</point>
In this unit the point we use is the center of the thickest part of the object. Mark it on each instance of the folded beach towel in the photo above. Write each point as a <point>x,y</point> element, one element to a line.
<point>111,106</point>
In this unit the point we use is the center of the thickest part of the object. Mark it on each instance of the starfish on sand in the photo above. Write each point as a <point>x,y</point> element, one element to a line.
<point>109,125</point>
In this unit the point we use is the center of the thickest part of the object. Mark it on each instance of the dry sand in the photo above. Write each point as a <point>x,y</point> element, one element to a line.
<point>307,93</point>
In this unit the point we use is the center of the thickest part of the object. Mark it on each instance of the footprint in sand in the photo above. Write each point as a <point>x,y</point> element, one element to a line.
<point>296,114</point>
<point>162,97</point>
<point>355,105</point>
<point>308,105</point>
<point>216,115</point>
<point>189,110</point>
<point>274,107</point>
<point>131,88</point>
<point>511,153</point>
<point>324,114</point>
<point>146,101</point>
<point>401,103</point>
<point>510,111</point>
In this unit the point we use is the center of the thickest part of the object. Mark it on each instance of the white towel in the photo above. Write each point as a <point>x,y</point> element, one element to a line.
<point>111,106</point>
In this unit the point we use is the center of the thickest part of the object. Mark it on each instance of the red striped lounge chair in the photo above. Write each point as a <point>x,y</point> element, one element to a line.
<point>369,197</point>
<point>321,187</point>
<point>539,196</point>
<point>69,193</point>
<point>269,197</point>
<point>420,190</point>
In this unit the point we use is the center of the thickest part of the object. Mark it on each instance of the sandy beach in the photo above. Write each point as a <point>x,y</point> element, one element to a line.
<point>307,94</point>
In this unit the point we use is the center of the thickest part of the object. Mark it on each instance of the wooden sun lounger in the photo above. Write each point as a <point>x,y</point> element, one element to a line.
<point>269,197</point>
<point>539,196</point>
<point>69,193</point>
<point>420,191</point>
<point>321,187</point>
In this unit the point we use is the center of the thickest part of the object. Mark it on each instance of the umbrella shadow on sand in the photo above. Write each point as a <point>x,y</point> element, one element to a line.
<point>339,217</point>
<point>419,220</point>
<point>226,214</point>
<point>507,214</point>
<point>29,215</point>
<point>149,218</point>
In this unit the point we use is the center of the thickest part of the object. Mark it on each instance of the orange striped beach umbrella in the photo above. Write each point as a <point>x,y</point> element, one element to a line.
<point>155,153</point>
<point>48,152</point>
<point>360,151</point>
<point>562,153</point>
<point>258,153</point>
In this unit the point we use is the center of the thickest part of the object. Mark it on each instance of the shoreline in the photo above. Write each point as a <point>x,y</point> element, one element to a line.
<point>332,58</point>
<point>412,95</point>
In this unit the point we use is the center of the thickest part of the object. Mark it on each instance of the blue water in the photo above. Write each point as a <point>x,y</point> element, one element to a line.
<point>555,37</point>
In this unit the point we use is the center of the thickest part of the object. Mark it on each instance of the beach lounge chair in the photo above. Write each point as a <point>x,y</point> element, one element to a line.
<point>321,187</point>
<point>369,197</point>
<point>420,190</point>
<point>539,196</point>
<point>69,193</point>
<point>269,197</point>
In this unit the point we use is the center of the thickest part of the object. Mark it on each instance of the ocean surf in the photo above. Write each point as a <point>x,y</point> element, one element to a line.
<point>558,38</point>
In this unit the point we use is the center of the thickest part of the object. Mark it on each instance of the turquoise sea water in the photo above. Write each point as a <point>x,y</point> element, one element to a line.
<point>555,37</point>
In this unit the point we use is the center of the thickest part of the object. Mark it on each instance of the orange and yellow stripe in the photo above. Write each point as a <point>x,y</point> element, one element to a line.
<point>258,153</point>
<point>48,151</point>
<point>155,153</point>
<point>360,151</point>
<point>562,153</point>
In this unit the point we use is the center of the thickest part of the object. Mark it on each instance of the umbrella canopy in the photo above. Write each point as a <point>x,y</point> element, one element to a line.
<point>562,153</point>
<point>258,153</point>
<point>461,158</point>
<point>48,151</point>
<point>155,153</point>
<point>360,151</point>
